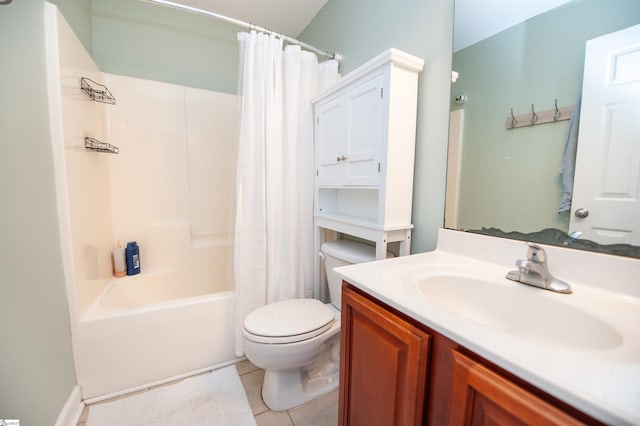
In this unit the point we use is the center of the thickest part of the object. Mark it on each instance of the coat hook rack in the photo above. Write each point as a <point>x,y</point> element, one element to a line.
<point>534,118</point>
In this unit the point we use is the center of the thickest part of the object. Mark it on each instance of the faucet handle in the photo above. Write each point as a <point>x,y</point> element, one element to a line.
<point>536,253</point>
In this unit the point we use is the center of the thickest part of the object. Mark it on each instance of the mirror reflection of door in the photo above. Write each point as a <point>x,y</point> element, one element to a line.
<point>606,194</point>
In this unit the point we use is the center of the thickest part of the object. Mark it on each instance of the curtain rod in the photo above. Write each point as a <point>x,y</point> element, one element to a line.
<point>291,40</point>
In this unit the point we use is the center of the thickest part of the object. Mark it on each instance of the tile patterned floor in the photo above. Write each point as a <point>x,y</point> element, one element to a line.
<point>322,411</point>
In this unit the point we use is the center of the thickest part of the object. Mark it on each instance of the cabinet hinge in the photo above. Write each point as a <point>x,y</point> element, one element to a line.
<point>378,167</point>
<point>317,120</point>
<point>317,172</point>
<point>381,92</point>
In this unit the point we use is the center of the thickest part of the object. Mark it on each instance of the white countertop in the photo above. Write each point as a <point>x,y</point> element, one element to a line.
<point>602,379</point>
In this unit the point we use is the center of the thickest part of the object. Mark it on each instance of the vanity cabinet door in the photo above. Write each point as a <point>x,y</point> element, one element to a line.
<point>383,366</point>
<point>480,396</point>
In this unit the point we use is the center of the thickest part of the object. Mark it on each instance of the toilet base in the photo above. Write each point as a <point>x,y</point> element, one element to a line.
<point>286,389</point>
<point>283,389</point>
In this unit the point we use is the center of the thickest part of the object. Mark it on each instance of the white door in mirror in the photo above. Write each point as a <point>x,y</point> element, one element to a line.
<point>607,175</point>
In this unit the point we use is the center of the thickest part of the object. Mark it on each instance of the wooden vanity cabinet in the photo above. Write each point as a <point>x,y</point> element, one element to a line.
<point>396,371</point>
<point>383,365</point>
<point>481,396</point>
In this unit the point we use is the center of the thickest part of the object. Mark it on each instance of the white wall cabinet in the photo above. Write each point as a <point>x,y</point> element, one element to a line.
<point>365,131</point>
<point>349,135</point>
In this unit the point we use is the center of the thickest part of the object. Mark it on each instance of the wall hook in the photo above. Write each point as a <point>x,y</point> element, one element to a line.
<point>514,121</point>
<point>556,113</point>
<point>534,116</point>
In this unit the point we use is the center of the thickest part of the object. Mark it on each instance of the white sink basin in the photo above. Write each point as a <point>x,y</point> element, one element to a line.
<point>486,298</point>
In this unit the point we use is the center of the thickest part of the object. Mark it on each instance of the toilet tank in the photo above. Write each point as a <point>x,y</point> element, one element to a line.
<point>342,253</point>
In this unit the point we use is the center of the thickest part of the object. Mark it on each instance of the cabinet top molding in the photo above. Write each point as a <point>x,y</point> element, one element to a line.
<point>390,56</point>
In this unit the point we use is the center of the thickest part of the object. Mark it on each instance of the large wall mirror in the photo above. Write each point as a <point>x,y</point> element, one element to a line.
<point>506,181</point>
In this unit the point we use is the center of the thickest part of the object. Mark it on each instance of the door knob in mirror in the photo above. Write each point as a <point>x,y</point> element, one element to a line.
<point>582,213</point>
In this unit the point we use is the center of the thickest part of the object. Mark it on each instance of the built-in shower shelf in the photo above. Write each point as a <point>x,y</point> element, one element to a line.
<point>96,145</point>
<point>96,91</point>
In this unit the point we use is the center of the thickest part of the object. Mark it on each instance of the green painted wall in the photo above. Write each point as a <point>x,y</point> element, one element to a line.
<point>510,178</point>
<point>361,29</point>
<point>154,42</point>
<point>138,39</point>
<point>36,366</point>
<point>77,13</point>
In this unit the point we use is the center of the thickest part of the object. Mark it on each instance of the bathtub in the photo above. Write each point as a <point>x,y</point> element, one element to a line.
<point>150,328</point>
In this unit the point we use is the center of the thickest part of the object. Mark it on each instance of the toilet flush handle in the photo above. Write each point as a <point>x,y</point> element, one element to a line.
<point>321,255</point>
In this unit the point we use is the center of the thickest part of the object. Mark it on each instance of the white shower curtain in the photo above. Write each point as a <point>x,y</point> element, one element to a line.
<point>274,184</point>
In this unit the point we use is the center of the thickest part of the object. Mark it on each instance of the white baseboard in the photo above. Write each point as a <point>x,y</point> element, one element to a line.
<point>72,409</point>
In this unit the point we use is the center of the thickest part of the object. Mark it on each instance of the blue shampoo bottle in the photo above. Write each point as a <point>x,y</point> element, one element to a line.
<point>132,255</point>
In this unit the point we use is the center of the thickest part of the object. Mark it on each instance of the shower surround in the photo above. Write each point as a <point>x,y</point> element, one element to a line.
<point>171,189</point>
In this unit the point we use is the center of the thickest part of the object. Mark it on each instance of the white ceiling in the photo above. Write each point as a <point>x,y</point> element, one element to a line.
<point>475,20</point>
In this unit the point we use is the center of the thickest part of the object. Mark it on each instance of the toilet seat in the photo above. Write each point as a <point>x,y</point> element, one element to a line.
<point>288,321</point>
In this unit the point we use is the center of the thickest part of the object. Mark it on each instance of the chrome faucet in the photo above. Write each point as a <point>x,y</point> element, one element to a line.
<point>534,271</point>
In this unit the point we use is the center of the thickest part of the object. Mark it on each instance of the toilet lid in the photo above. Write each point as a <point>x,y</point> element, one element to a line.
<point>289,320</point>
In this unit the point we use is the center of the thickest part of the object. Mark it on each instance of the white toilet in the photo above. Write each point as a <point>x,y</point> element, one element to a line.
<point>297,341</point>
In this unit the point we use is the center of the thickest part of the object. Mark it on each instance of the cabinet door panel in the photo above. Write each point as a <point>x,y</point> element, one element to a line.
<point>480,396</point>
<point>364,132</point>
<point>383,366</point>
<point>330,141</point>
